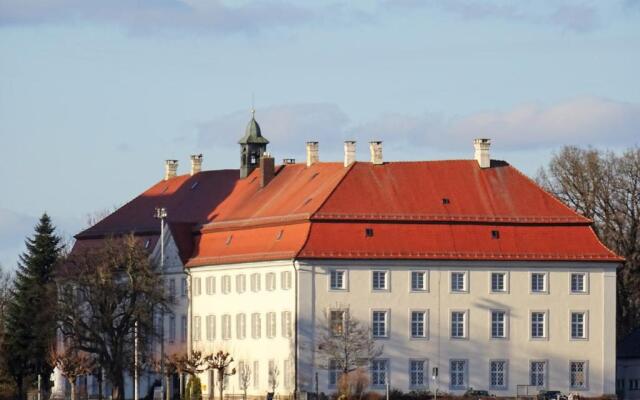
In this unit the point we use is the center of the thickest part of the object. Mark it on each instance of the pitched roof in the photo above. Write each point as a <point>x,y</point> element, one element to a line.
<point>327,208</point>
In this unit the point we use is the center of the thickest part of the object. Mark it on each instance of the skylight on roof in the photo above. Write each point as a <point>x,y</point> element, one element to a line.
<point>195,184</point>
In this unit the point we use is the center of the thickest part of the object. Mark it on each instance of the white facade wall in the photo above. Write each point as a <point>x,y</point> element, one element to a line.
<point>518,349</point>
<point>230,300</point>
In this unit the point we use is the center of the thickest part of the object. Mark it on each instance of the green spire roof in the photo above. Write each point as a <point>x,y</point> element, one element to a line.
<point>252,134</point>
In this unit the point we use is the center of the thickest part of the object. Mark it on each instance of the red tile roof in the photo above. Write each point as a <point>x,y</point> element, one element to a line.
<point>417,210</point>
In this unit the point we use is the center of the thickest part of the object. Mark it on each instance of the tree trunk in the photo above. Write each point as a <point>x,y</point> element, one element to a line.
<point>20,385</point>
<point>167,387</point>
<point>117,387</point>
<point>73,388</point>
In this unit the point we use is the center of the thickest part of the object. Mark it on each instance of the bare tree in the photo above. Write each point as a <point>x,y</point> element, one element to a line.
<point>72,364</point>
<point>104,294</point>
<point>274,377</point>
<point>346,344</point>
<point>605,187</point>
<point>221,363</point>
<point>244,378</point>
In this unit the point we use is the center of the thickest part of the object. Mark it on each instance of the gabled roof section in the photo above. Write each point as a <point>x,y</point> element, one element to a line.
<point>188,199</point>
<point>446,191</point>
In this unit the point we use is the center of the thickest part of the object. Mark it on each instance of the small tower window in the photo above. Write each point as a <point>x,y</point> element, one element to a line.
<point>368,232</point>
<point>445,200</point>
<point>495,234</point>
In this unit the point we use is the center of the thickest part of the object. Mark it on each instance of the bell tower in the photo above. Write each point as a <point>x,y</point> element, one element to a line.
<point>252,147</point>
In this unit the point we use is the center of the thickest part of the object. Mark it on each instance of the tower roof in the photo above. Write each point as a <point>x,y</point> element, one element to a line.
<point>252,134</point>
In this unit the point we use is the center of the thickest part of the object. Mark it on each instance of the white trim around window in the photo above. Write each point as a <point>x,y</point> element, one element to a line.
<point>546,282</point>
<point>585,283</point>
<point>375,280</point>
<point>545,322</point>
<point>345,280</point>
<point>375,319</point>
<point>585,325</point>
<point>575,383</point>
<point>454,284</point>
<point>494,380</point>
<point>418,366</point>
<point>425,280</point>
<point>425,324</point>
<point>465,324</point>
<point>505,324</point>
<point>505,276</point>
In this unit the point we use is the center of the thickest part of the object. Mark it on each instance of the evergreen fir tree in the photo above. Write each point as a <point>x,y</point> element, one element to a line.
<point>31,318</point>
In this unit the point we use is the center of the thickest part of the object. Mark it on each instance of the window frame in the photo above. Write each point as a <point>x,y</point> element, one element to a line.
<point>425,323</point>
<point>506,289</point>
<point>255,282</point>
<point>210,285</point>
<point>387,370</point>
<point>585,325</point>
<point>256,325</point>
<point>546,281</point>
<point>387,320</point>
<point>585,373</point>
<point>267,281</point>
<point>425,373</point>
<point>330,327</point>
<point>269,334</point>
<point>585,283</point>
<point>225,284</point>
<point>545,327</point>
<point>505,324</point>
<point>345,280</point>
<point>387,280</point>
<point>225,327</point>
<point>465,282</point>
<point>545,373</point>
<point>425,280</point>
<point>465,374</point>
<point>505,373</point>
<point>465,324</point>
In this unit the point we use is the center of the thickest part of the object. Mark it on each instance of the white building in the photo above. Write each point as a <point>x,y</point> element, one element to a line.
<point>463,265</point>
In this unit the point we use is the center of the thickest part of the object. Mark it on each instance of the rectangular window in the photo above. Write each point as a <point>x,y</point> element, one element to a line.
<point>183,328</point>
<point>256,374</point>
<point>211,327</point>
<point>241,283</point>
<point>285,320</point>
<point>286,371</point>
<point>211,285</point>
<point>417,371</point>
<point>498,324</point>
<point>273,374</point>
<point>226,284</point>
<point>538,320</point>
<point>241,326</point>
<point>578,320</point>
<point>418,281</point>
<point>271,324</point>
<point>336,321</point>
<point>172,290</point>
<point>458,282</point>
<point>578,371</point>
<point>226,327</point>
<point>379,371</point>
<point>498,282</point>
<point>196,328</point>
<point>498,374</point>
<point>196,287</point>
<point>538,282</point>
<point>379,280</point>
<point>379,324</point>
<point>256,326</point>
<point>334,372</point>
<point>418,324</point>
<point>172,329</point>
<point>458,374</point>
<point>285,280</point>
<point>255,282</point>
<point>578,283</point>
<point>271,281</point>
<point>183,288</point>
<point>458,324</point>
<point>537,373</point>
<point>337,280</point>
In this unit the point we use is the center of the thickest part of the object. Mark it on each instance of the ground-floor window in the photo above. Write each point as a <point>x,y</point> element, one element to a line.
<point>379,370</point>
<point>537,373</point>
<point>417,370</point>
<point>498,374</point>
<point>458,374</point>
<point>578,374</point>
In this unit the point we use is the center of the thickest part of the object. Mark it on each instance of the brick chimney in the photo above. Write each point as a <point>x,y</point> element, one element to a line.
<point>375,148</point>
<point>312,153</point>
<point>349,152</point>
<point>170,169</point>
<point>267,169</point>
<point>481,147</point>
<point>196,163</point>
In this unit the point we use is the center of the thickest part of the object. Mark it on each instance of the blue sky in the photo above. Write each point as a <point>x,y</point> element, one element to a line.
<point>95,95</point>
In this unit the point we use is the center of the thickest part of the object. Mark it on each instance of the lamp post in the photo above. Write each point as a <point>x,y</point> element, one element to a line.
<point>161,214</point>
